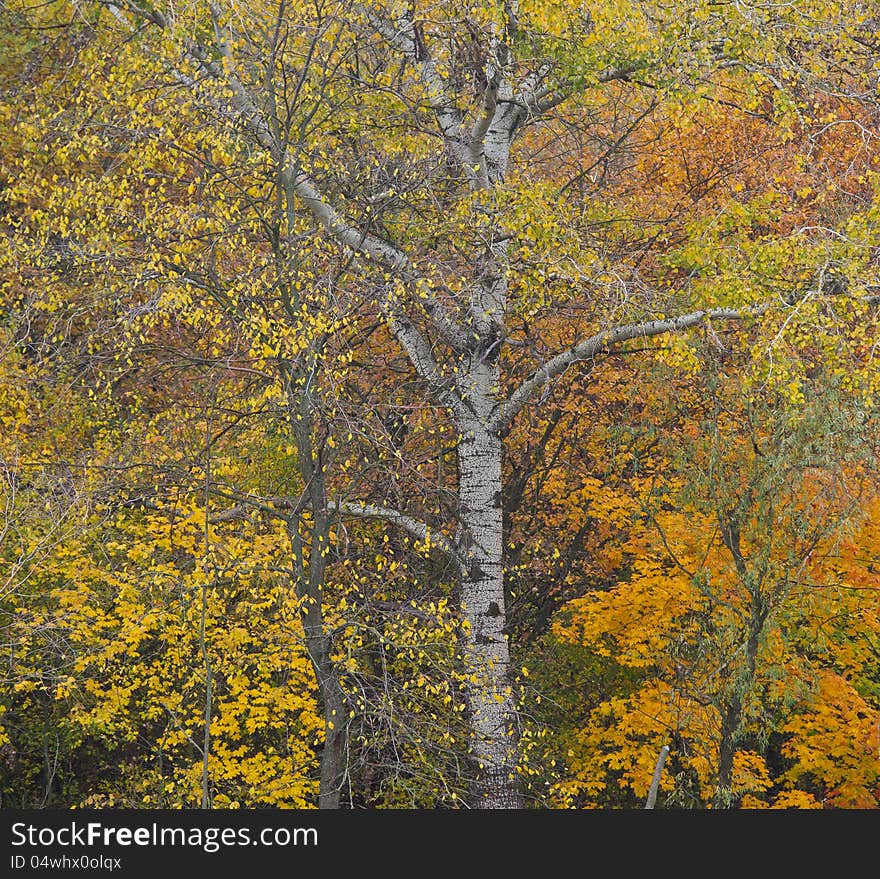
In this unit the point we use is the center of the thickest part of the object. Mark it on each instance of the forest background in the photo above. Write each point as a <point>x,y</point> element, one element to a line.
<point>425,404</point>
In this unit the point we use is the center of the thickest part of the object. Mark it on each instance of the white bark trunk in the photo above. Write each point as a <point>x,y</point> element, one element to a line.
<point>491,700</point>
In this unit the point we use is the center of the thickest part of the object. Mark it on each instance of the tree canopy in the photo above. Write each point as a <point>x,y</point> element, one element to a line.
<point>414,404</point>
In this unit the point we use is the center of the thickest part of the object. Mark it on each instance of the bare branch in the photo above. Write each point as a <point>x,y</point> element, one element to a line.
<point>285,507</point>
<point>145,12</point>
<point>603,343</point>
<point>420,530</point>
<point>419,353</point>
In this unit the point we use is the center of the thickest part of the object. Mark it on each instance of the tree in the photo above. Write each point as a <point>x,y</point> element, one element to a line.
<point>397,156</point>
<point>712,621</point>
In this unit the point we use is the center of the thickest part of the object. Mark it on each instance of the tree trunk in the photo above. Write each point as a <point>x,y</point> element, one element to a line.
<point>333,757</point>
<point>651,800</point>
<point>731,716</point>
<point>310,575</point>
<point>491,701</point>
<point>732,709</point>
<point>334,754</point>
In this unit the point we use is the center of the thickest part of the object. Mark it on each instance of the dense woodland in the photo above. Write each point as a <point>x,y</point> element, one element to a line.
<point>423,404</point>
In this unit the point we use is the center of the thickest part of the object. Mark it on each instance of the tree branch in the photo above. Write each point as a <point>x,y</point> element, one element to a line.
<point>420,530</point>
<point>285,507</point>
<point>345,232</point>
<point>603,343</point>
<point>537,102</point>
<point>403,35</point>
<point>419,353</point>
